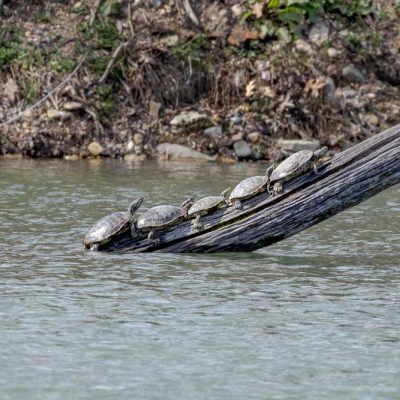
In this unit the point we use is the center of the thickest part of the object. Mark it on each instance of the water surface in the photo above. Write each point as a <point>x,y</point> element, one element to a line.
<point>315,316</point>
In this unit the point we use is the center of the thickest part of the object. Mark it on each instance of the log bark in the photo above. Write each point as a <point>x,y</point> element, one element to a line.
<point>345,180</point>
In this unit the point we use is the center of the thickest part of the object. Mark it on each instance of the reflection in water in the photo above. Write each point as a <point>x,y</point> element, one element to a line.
<point>317,313</point>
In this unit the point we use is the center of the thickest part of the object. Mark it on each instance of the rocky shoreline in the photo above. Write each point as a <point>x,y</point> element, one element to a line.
<point>183,94</point>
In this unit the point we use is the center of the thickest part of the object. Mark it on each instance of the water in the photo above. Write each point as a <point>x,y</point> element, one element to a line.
<point>316,316</point>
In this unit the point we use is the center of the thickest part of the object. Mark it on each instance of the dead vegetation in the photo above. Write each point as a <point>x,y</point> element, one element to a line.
<point>133,65</point>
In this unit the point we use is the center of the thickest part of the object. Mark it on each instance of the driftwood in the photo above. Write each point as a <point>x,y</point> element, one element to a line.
<point>342,182</point>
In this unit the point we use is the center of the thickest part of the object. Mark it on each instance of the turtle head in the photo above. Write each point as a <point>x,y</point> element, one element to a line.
<point>269,171</point>
<point>320,153</point>
<point>133,207</point>
<point>225,193</point>
<point>187,203</point>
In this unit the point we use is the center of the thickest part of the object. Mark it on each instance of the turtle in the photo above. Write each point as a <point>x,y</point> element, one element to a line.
<point>160,217</point>
<point>111,225</point>
<point>206,204</point>
<point>294,165</point>
<point>249,187</point>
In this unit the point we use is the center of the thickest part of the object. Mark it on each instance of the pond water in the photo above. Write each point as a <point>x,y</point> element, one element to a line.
<point>315,316</point>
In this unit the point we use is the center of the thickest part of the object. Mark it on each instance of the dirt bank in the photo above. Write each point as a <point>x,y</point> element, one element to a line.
<point>242,83</point>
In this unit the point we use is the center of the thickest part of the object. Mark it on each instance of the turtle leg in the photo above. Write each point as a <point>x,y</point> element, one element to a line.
<point>150,238</point>
<point>237,205</point>
<point>315,167</point>
<point>134,231</point>
<point>278,187</point>
<point>93,247</point>
<point>196,224</point>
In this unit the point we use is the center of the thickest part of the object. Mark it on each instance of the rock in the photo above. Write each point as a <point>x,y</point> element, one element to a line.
<point>170,151</point>
<point>189,118</point>
<point>332,52</point>
<point>138,139</point>
<point>303,46</point>
<point>57,114</point>
<point>353,74</point>
<point>72,106</point>
<point>297,145</point>
<point>241,78</point>
<point>215,132</point>
<point>237,10</point>
<point>242,149</point>
<point>329,89</point>
<point>237,137</point>
<point>170,40</point>
<point>28,115</point>
<point>371,119</point>
<point>319,34</point>
<point>254,137</point>
<point>95,149</point>
<point>135,157</point>
<point>71,157</point>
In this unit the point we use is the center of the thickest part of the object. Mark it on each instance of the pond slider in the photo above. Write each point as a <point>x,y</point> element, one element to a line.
<point>249,187</point>
<point>294,165</point>
<point>110,225</point>
<point>205,205</point>
<point>160,217</point>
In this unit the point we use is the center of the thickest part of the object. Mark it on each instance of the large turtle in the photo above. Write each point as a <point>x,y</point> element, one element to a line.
<point>205,205</point>
<point>294,165</point>
<point>160,217</point>
<point>111,225</point>
<point>249,187</point>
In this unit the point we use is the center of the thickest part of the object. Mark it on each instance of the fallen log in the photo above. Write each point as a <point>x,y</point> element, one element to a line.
<point>345,180</point>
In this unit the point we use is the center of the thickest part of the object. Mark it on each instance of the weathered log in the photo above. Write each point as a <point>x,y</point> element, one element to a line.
<point>345,180</point>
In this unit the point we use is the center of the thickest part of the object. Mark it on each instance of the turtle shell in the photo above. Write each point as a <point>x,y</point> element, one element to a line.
<point>293,165</point>
<point>160,216</point>
<point>205,204</point>
<point>107,227</point>
<point>247,188</point>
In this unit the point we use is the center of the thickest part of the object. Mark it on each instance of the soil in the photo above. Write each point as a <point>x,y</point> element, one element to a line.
<point>124,71</point>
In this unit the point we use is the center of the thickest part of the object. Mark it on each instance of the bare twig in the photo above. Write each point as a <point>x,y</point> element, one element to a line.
<point>62,84</point>
<point>186,6</point>
<point>111,62</point>
<point>41,101</point>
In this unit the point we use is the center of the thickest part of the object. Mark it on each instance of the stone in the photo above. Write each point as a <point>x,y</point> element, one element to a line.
<point>319,34</point>
<point>57,114</point>
<point>242,149</point>
<point>170,151</point>
<point>304,47</point>
<point>254,137</point>
<point>329,89</point>
<point>298,145</point>
<point>189,118</point>
<point>170,40</point>
<point>71,157</point>
<point>332,52</point>
<point>72,106</point>
<point>237,10</point>
<point>95,149</point>
<point>371,119</point>
<point>135,157</point>
<point>353,74</point>
<point>28,115</point>
<point>138,139</point>
<point>215,132</point>
<point>237,137</point>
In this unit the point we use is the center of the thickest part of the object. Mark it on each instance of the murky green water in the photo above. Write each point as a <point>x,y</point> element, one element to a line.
<point>314,317</point>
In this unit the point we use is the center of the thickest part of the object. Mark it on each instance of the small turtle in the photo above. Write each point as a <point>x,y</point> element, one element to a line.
<point>294,165</point>
<point>249,187</point>
<point>110,225</point>
<point>206,204</point>
<point>160,217</point>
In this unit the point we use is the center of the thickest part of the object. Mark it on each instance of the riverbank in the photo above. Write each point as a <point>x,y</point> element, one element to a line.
<point>245,85</point>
